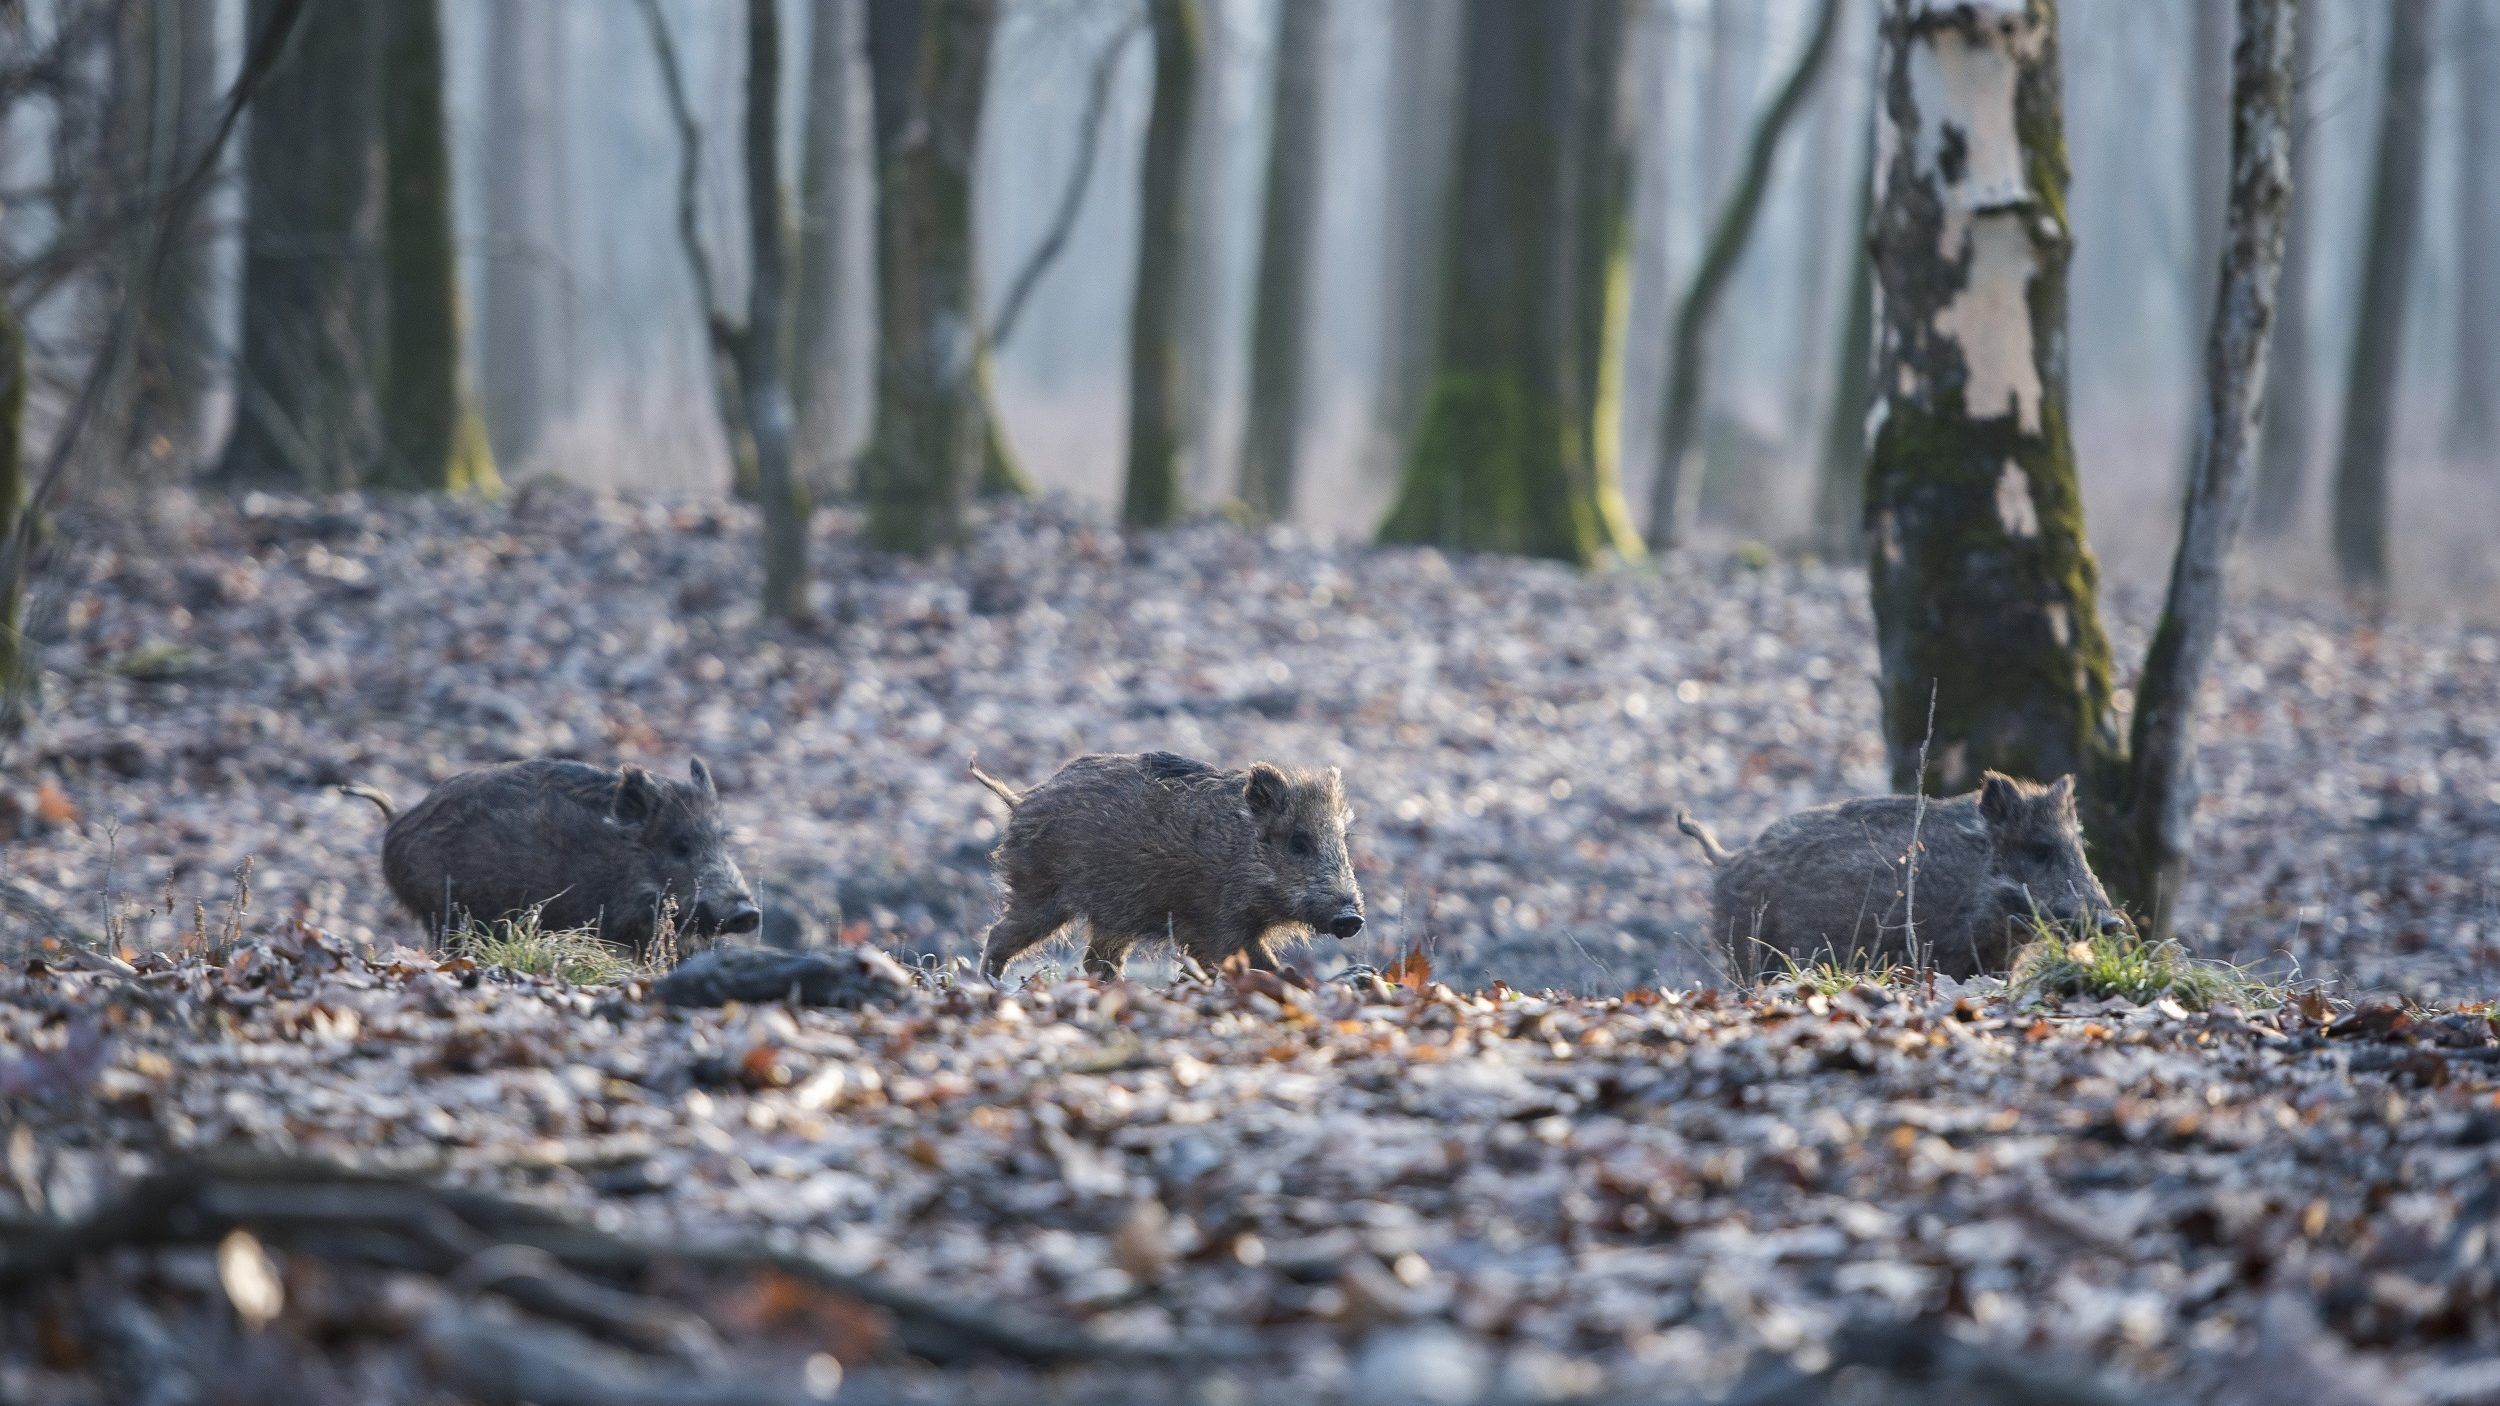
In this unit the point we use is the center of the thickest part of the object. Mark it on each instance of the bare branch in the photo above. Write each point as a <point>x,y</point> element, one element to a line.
<point>690,157</point>
<point>1071,198</point>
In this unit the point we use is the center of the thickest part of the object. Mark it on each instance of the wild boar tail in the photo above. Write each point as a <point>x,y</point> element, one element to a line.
<point>1007,793</point>
<point>1711,849</point>
<point>370,794</point>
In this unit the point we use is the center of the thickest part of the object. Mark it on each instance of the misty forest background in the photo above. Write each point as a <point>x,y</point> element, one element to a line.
<point>589,357</point>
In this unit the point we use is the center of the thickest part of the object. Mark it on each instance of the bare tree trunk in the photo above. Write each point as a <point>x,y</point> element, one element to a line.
<point>518,312</point>
<point>930,65</point>
<point>1280,312</point>
<point>2152,861</point>
<point>1840,498</point>
<point>763,377</point>
<point>2474,404</point>
<point>1156,418</point>
<point>1425,36</point>
<point>2283,453</point>
<point>168,103</point>
<point>432,435</point>
<point>2378,326</point>
<point>1984,587</point>
<point>2209,146</point>
<point>13,492</point>
<point>750,375</point>
<point>836,83</point>
<point>304,411</point>
<point>1671,493</point>
<point>1502,458</point>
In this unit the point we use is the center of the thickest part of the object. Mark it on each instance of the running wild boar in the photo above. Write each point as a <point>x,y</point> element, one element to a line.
<point>587,847</point>
<point>1143,848</point>
<point>1834,882</point>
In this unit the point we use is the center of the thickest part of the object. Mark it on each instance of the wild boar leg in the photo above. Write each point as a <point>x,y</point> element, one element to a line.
<point>1024,926</point>
<point>1106,954</point>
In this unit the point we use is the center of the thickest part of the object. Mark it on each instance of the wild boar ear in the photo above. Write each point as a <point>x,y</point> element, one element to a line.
<point>2061,793</point>
<point>1266,789</point>
<point>637,796</point>
<point>702,778</point>
<point>2000,798</point>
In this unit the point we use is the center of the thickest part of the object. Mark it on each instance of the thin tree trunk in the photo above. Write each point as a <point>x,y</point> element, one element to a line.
<point>2378,327</point>
<point>432,435</point>
<point>516,343</point>
<point>929,61</point>
<point>2474,404</point>
<point>763,377</point>
<point>1840,497</point>
<point>304,410</point>
<point>1156,418</point>
<point>828,148</point>
<point>13,490</point>
<point>2147,869</point>
<point>2209,165</point>
<point>1502,460</point>
<point>750,375</point>
<point>1425,38</point>
<point>1280,307</point>
<point>1985,591</point>
<point>169,104</point>
<point>1673,490</point>
<point>2283,452</point>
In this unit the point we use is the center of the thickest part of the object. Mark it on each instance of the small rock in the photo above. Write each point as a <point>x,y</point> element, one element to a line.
<point>1431,1365</point>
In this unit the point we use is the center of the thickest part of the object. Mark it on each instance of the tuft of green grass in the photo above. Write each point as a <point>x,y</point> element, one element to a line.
<point>1832,975</point>
<point>518,944</point>
<point>2125,964</point>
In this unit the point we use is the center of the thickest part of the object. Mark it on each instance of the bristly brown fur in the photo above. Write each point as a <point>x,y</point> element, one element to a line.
<point>1144,848</point>
<point>1831,882</point>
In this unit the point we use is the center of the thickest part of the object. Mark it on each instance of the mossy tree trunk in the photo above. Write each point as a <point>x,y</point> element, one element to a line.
<point>1502,458</point>
<point>1280,306</point>
<point>1840,492</point>
<point>2145,862</point>
<point>1677,483</point>
<point>1985,592</point>
<point>1422,143</point>
<point>304,412</point>
<point>2379,322</point>
<point>433,438</point>
<point>929,65</point>
<point>2283,450</point>
<point>1156,395</point>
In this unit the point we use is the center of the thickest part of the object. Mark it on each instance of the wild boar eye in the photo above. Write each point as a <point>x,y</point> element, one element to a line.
<point>1301,845</point>
<point>682,848</point>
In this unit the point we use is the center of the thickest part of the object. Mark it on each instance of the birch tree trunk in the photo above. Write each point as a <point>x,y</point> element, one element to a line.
<point>304,411</point>
<point>1279,313</point>
<point>2146,865</point>
<point>929,61</point>
<point>2283,452</point>
<point>1502,459</point>
<point>2474,403</point>
<point>432,435</point>
<point>2379,322</point>
<point>1985,591</point>
<point>1156,418</point>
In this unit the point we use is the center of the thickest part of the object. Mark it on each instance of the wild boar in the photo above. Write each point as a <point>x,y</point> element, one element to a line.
<point>587,847</point>
<point>1834,882</point>
<point>1154,846</point>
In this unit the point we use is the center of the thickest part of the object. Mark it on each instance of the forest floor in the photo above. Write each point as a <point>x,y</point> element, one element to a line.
<point>1238,1191</point>
<point>1515,736</point>
<point>1453,1186</point>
